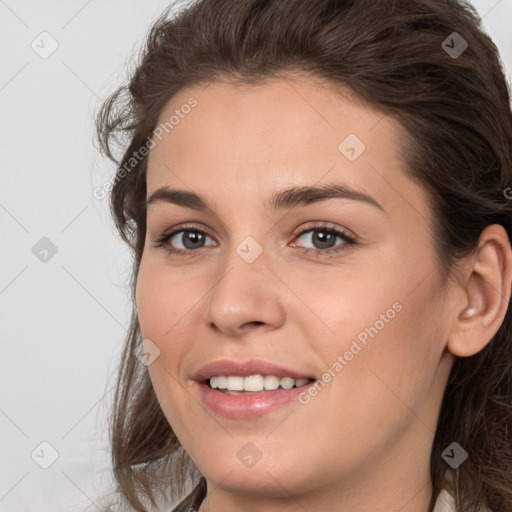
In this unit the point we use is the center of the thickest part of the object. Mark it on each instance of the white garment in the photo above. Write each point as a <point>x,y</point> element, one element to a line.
<point>446,503</point>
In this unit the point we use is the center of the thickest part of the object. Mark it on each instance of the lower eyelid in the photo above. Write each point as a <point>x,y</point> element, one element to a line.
<point>347,240</point>
<point>340,234</point>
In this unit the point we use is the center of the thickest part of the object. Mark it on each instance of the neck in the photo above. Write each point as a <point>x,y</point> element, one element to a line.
<point>403,496</point>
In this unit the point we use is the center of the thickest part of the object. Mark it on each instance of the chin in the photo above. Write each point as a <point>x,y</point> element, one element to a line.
<point>240,466</point>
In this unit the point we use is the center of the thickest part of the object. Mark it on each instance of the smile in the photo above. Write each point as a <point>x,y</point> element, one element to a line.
<point>252,401</point>
<point>254,383</point>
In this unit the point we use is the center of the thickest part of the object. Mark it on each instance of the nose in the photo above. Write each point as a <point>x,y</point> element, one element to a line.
<point>245,296</point>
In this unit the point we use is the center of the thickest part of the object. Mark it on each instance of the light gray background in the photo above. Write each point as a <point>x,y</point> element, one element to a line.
<point>63,321</point>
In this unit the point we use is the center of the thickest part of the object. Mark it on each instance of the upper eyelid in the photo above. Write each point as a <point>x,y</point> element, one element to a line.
<point>324,225</point>
<point>301,230</point>
<point>304,227</point>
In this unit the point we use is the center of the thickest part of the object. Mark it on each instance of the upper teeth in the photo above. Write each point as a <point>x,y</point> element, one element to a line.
<point>254,382</point>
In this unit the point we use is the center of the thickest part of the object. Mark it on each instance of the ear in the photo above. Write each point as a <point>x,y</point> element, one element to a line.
<point>488,282</point>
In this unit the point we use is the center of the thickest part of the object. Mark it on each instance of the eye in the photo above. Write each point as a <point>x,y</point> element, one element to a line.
<point>324,239</point>
<point>189,239</point>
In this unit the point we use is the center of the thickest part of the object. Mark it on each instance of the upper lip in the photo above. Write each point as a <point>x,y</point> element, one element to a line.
<point>245,368</point>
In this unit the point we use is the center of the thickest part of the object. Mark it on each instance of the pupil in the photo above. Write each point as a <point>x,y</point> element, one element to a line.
<point>320,237</point>
<point>194,237</point>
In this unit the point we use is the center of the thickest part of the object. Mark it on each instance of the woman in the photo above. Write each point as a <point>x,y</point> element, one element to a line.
<point>315,195</point>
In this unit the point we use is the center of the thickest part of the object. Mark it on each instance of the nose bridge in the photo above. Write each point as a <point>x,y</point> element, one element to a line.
<point>245,291</point>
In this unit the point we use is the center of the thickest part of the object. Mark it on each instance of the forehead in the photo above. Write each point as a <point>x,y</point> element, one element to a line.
<point>272,118</point>
<point>242,140</point>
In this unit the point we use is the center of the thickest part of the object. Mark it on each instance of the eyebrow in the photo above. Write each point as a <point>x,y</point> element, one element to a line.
<point>287,198</point>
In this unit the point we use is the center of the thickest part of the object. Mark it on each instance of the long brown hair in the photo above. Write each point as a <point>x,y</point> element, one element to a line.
<point>430,65</point>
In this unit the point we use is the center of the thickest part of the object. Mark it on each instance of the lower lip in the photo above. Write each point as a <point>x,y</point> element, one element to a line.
<point>250,405</point>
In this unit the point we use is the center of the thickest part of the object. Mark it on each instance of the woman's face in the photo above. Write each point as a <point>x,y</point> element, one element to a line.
<point>268,287</point>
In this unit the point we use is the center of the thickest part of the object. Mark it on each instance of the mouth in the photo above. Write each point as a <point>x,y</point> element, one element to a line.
<point>250,388</point>
<point>250,384</point>
<point>250,396</point>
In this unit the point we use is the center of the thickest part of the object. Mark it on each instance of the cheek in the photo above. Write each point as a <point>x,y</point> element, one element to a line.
<point>162,313</point>
<point>385,336</point>
<point>160,304</point>
<point>380,387</point>
<point>398,351</point>
<point>346,307</point>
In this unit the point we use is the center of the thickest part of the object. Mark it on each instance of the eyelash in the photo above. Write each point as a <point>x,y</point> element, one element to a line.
<point>324,227</point>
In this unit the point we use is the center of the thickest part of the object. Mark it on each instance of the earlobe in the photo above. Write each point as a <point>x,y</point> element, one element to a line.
<point>487,294</point>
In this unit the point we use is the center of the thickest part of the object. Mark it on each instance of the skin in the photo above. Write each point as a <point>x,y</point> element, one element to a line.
<point>364,441</point>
